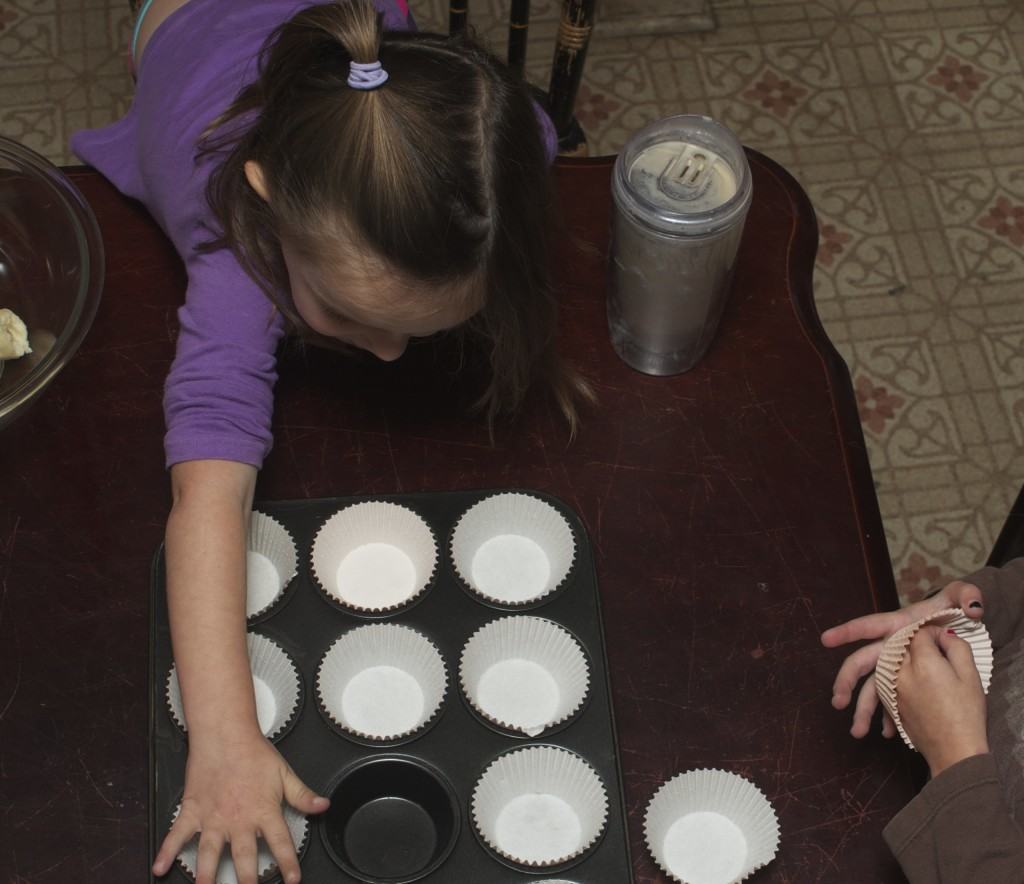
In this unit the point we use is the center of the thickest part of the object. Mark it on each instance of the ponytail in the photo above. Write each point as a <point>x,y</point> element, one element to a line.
<point>440,173</point>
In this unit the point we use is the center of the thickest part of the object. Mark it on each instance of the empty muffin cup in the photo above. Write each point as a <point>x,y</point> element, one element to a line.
<point>524,674</point>
<point>391,819</point>
<point>276,685</point>
<point>513,549</point>
<point>710,827</point>
<point>271,563</point>
<point>895,648</point>
<point>539,806</point>
<point>374,556</point>
<point>266,865</point>
<point>381,682</point>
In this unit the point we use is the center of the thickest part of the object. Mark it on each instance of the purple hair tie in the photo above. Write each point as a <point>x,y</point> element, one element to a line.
<point>366,75</point>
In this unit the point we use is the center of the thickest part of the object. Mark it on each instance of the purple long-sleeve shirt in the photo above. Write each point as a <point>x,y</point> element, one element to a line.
<point>218,398</point>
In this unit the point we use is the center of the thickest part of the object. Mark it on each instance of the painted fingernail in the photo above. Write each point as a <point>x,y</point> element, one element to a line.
<point>950,632</point>
<point>974,605</point>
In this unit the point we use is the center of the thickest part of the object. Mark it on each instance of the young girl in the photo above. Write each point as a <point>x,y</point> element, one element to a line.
<point>357,187</point>
<point>967,824</point>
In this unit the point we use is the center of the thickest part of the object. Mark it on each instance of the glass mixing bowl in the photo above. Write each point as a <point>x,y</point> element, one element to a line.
<point>51,270</point>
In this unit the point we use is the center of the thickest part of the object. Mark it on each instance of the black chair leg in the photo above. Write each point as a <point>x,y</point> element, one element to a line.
<point>567,71</point>
<point>518,23</point>
<point>458,14</point>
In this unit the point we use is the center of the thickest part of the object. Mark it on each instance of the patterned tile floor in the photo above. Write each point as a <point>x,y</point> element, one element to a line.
<point>903,119</point>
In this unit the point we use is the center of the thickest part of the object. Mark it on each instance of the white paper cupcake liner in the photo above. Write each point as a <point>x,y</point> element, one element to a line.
<point>525,674</point>
<point>374,556</point>
<point>513,549</point>
<point>266,865</point>
<point>276,684</point>
<point>895,648</point>
<point>381,682</point>
<point>271,564</point>
<point>710,827</point>
<point>539,806</point>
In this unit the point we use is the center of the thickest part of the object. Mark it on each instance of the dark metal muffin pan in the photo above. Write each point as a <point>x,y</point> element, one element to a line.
<point>421,786</point>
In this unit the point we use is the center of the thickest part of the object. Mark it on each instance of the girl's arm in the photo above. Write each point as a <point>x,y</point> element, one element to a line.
<point>205,551</point>
<point>235,780</point>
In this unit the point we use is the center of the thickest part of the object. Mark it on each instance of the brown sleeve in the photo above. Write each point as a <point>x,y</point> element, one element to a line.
<point>958,831</point>
<point>1002,590</point>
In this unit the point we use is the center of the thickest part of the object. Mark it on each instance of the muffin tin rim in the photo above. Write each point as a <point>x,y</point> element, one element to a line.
<point>453,799</point>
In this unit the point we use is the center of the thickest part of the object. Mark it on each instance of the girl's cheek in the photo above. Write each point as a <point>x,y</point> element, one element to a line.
<point>328,326</point>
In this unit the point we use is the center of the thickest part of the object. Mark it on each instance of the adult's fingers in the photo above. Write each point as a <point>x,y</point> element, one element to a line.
<point>867,702</point>
<point>182,829</point>
<point>853,669</point>
<point>279,840</point>
<point>870,626</point>
<point>211,845</point>
<point>243,855</point>
<point>300,796</point>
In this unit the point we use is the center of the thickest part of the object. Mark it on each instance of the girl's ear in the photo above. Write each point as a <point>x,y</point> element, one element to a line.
<point>254,175</point>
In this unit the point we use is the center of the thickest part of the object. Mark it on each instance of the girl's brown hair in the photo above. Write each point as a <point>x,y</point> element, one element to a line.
<point>441,172</point>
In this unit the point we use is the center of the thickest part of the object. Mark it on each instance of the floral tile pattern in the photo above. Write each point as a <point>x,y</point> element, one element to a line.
<point>903,120</point>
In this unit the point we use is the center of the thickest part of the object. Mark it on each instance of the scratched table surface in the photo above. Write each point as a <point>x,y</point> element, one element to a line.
<point>730,510</point>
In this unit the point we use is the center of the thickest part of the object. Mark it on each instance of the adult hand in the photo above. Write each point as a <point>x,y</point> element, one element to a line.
<point>233,793</point>
<point>941,701</point>
<point>875,628</point>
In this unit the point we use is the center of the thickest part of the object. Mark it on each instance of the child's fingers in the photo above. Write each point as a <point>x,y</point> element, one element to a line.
<point>243,855</point>
<point>966,596</point>
<point>853,669</point>
<point>300,796</point>
<point>923,649</point>
<point>959,654</point>
<point>279,840</point>
<point>211,845</point>
<point>888,726</point>
<point>183,828</point>
<point>870,626</point>
<point>867,702</point>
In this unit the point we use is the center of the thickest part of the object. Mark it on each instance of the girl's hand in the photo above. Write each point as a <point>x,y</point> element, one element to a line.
<point>233,793</point>
<point>942,704</point>
<point>876,628</point>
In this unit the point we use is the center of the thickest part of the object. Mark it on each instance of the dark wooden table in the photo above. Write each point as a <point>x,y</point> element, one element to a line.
<point>731,511</point>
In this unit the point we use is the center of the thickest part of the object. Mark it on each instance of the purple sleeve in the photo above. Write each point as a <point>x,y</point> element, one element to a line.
<point>218,400</point>
<point>548,135</point>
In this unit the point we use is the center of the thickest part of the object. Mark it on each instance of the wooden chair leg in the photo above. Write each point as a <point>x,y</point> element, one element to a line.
<point>518,23</point>
<point>567,70</point>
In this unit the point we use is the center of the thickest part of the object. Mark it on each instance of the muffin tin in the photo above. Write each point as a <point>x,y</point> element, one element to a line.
<point>411,803</point>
